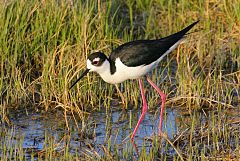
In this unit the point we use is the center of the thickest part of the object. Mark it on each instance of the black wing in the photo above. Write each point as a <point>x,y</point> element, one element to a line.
<point>144,52</point>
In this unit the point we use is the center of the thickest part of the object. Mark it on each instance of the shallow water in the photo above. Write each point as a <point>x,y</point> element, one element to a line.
<point>108,125</point>
<point>102,128</point>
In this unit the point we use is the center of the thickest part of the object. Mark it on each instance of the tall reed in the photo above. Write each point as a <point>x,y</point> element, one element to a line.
<point>44,46</point>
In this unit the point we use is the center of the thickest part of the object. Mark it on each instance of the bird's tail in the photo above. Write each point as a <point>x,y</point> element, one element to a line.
<point>181,33</point>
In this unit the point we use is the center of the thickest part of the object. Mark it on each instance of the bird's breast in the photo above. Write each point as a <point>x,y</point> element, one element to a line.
<point>124,72</point>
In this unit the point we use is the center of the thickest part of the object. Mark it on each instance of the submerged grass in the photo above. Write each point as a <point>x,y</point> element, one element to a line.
<point>209,136</point>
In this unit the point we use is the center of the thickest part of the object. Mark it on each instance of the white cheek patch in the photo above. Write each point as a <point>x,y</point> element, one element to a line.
<point>96,59</point>
<point>89,64</point>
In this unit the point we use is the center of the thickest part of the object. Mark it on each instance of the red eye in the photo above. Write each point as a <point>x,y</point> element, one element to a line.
<point>95,62</point>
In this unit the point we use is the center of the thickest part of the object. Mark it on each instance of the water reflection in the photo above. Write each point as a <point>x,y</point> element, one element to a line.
<point>113,127</point>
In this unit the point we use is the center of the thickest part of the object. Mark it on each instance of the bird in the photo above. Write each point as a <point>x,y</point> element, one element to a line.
<point>135,60</point>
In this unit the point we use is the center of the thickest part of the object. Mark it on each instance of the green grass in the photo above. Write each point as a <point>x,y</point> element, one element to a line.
<point>44,45</point>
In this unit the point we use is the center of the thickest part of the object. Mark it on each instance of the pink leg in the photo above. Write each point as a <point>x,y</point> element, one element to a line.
<point>163,97</point>
<point>144,109</point>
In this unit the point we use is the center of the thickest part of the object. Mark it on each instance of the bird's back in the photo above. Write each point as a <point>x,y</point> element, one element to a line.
<point>144,52</point>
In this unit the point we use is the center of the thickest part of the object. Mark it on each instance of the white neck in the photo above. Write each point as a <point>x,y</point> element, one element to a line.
<point>103,71</point>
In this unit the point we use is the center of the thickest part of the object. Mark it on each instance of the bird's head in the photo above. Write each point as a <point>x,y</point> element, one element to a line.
<point>95,63</point>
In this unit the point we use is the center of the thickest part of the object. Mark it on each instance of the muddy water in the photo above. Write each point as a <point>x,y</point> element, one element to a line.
<point>102,127</point>
<point>112,127</point>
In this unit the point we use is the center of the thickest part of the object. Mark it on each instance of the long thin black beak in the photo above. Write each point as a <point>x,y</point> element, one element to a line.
<point>83,74</point>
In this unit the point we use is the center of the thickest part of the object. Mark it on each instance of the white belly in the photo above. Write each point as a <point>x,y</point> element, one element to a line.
<point>124,72</point>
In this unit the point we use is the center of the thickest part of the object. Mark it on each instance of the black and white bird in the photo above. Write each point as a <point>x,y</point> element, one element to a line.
<point>133,60</point>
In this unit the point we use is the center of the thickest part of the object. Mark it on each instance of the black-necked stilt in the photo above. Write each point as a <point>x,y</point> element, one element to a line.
<point>133,60</point>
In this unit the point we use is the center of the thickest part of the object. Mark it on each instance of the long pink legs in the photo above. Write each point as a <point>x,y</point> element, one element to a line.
<point>163,97</point>
<point>145,107</point>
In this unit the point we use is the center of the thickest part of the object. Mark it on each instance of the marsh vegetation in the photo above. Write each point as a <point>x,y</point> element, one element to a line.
<point>44,45</point>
